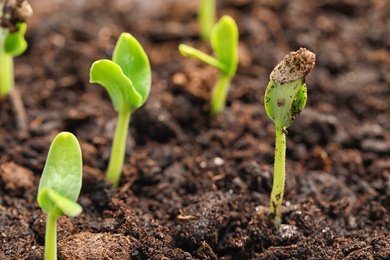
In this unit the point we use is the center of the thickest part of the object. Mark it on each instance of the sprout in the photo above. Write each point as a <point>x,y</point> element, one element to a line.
<point>224,40</point>
<point>127,79</point>
<point>12,42</point>
<point>60,186</point>
<point>284,100</point>
<point>206,18</point>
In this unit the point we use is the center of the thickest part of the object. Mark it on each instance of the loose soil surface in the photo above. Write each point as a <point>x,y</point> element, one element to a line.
<point>196,187</point>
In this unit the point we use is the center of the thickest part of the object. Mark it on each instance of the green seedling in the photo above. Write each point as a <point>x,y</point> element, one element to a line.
<point>60,186</point>
<point>224,41</point>
<point>12,42</point>
<point>206,18</point>
<point>127,79</point>
<point>284,100</point>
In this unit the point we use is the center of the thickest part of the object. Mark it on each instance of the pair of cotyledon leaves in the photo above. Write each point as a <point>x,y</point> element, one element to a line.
<point>286,92</point>
<point>127,78</point>
<point>61,179</point>
<point>285,101</point>
<point>224,41</point>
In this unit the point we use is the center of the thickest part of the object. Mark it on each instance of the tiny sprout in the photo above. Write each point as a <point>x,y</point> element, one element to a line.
<point>206,18</point>
<point>60,186</point>
<point>127,79</point>
<point>284,100</point>
<point>12,42</point>
<point>224,40</point>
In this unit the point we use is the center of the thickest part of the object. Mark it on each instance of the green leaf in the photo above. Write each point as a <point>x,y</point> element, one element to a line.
<point>224,40</point>
<point>15,44</point>
<point>131,57</point>
<point>65,205</point>
<point>189,51</point>
<point>62,172</point>
<point>120,88</point>
<point>284,101</point>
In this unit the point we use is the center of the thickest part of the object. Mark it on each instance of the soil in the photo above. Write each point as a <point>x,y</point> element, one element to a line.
<point>193,186</point>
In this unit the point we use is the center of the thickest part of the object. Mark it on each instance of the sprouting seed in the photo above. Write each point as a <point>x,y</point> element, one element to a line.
<point>224,40</point>
<point>59,186</point>
<point>127,79</point>
<point>284,99</point>
<point>12,42</point>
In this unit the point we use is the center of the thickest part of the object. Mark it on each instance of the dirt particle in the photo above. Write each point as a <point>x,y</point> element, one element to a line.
<point>16,179</point>
<point>86,245</point>
<point>179,79</point>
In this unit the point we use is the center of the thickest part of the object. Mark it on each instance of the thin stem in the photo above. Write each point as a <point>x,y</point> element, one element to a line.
<point>218,97</point>
<point>118,148</point>
<point>275,208</point>
<point>51,237</point>
<point>6,66</point>
<point>206,18</point>
<point>20,112</point>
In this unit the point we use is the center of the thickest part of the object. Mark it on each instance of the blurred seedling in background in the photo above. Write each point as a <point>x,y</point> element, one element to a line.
<point>224,41</point>
<point>12,43</point>
<point>127,79</point>
<point>60,186</point>
<point>206,18</point>
<point>284,100</point>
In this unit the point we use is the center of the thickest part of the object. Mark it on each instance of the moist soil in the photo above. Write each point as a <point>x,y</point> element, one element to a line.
<point>194,186</point>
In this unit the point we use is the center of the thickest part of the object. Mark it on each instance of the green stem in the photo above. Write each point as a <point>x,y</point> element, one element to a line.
<point>275,208</point>
<point>51,237</point>
<point>218,97</point>
<point>206,18</point>
<point>6,66</point>
<point>118,148</point>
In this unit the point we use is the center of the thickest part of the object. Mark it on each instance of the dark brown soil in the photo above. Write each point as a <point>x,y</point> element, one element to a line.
<point>195,187</point>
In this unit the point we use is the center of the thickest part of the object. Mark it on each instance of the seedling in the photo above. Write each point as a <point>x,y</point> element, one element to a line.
<point>284,100</point>
<point>206,18</point>
<point>224,41</point>
<point>127,79</point>
<point>12,42</point>
<point>60,186</point>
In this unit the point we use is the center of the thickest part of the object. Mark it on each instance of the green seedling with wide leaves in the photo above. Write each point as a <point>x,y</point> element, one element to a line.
<point>127,79</point>
<point>224,41</point>
<point>284,100</point>
<point>206,18</point>
<point>60,186</point>
<point>12,42</point>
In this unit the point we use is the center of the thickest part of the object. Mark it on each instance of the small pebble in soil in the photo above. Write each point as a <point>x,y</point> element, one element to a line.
<point>218,161</point>
<point>110,224</point>
<point>287,234</point>
<point>376,146</point>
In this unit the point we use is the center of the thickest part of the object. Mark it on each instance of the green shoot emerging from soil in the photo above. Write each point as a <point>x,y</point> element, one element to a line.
<point>127,79</point>
<point>60,186</point>
<point>12,42</point>
<point>284,100</point>
<point>224,40</point>
<point>206,18</point>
